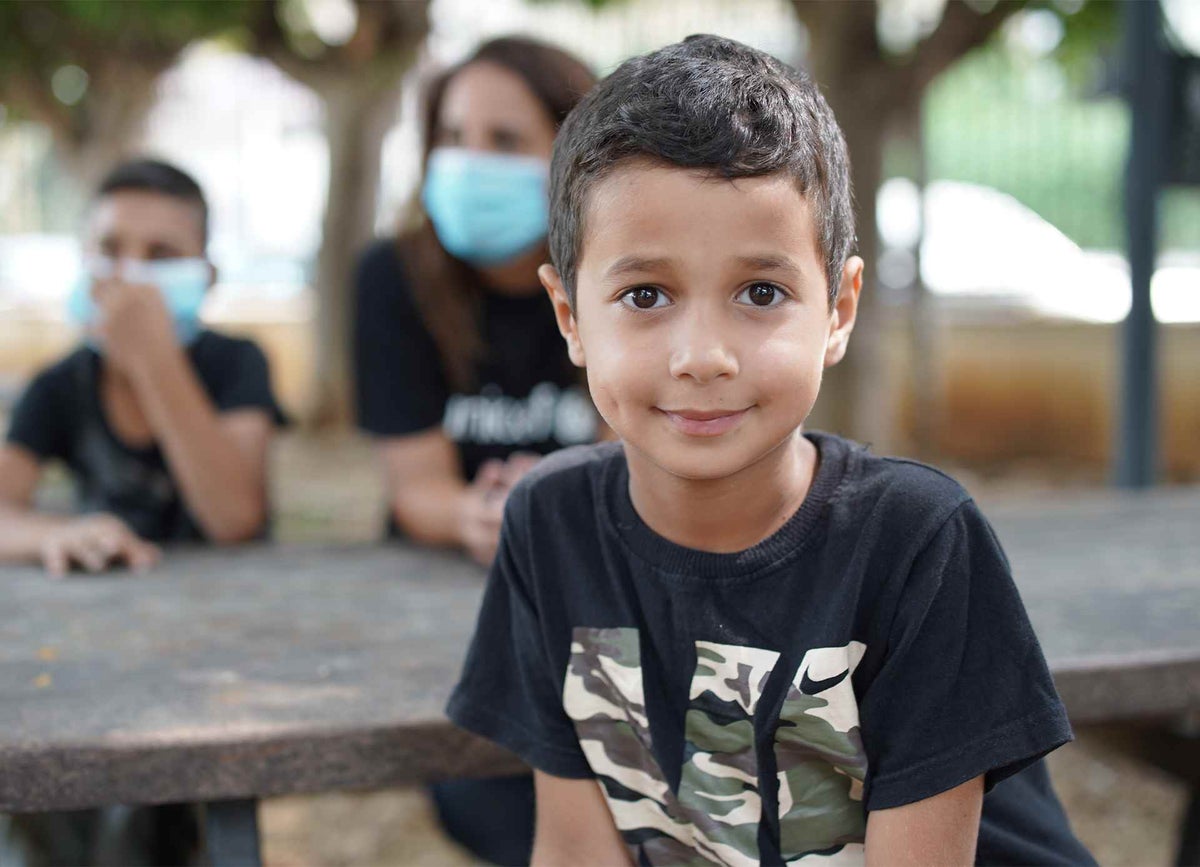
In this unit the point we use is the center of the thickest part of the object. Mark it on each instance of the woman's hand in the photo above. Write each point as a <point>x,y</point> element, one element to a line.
<point>95,542</point>
<point>483,503</point>
<point>483,511</point>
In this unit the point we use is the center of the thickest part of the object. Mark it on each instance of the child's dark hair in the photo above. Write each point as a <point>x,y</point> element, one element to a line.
<point>707,103</point>
<point>156,176</point>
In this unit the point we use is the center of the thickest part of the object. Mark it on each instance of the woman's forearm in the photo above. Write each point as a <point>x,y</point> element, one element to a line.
<point>431,512</point>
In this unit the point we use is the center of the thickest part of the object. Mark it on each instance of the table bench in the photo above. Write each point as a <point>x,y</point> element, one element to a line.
<point>228,676</point>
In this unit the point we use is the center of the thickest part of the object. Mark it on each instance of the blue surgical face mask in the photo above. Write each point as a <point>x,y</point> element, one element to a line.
<point>182,282</point>
<point>486,208</point>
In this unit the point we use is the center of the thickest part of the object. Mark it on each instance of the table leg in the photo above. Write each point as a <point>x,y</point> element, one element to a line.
<point>1189,832</point>
<point>231,833</point>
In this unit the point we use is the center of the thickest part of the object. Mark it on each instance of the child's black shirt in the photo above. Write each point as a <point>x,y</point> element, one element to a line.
<point>754,706</point>
<point>60,416</point>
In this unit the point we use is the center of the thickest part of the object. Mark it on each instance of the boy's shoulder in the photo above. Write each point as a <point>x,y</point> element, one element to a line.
<point>66,372</point>
<point>220,343</point>
<point>570,468</point>
<point>568,478</point>
<point>217,355</point>
<point>895,489</point>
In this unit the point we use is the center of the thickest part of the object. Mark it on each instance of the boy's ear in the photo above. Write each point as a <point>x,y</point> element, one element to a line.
<point>567,326</point>
<point>845,309</point>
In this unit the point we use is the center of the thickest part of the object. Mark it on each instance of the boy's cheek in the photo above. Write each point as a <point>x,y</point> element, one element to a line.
<point>620,387</point>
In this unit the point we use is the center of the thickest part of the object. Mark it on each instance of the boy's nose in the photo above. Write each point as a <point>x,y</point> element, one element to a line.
<point>701,352</point>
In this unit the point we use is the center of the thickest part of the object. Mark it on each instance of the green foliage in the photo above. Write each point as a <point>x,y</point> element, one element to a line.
<point>1037,129</point>
<point>73,31</point>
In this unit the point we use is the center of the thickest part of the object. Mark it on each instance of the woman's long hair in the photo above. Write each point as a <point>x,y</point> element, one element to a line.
<point>448,292</point>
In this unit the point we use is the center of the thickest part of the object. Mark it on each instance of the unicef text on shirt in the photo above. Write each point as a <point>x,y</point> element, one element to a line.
<point>494,418</point>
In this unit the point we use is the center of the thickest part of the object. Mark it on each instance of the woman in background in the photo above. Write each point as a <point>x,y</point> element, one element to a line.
<point>462,377</point>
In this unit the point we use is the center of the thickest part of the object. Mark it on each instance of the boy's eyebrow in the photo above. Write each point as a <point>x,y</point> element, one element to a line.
<point>768,262</point>
<point>641,264</point>
<point>636,265</point>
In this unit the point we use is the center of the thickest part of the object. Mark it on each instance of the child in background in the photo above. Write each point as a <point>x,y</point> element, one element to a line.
<point>725,639</point>
<point>164,426</point>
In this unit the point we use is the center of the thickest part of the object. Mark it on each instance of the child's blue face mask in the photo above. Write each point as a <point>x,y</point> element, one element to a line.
<point>486,208</point>
<point>182,282</point>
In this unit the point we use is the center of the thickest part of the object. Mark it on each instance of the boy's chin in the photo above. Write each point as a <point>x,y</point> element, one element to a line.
<point>709,461</point>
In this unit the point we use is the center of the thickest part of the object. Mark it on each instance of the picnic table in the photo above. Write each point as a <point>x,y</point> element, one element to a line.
<point>226,676</point>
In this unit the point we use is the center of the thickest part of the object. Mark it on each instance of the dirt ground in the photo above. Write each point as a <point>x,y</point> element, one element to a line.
<point>329,490</point>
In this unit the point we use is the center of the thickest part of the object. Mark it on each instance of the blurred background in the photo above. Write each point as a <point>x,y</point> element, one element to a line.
<point>989,143</point>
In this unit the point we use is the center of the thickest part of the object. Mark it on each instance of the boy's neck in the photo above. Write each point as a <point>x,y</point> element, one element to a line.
<point>729,514</point>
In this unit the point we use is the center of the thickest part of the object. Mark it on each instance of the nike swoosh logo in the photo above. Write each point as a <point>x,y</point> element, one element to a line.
<point>812,687</point>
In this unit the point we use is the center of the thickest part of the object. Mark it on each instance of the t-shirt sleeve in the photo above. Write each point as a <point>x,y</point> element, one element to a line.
<point>40,418</point>
<point>963,689</point>
<point>509,691</point>
<point>400,386</point>
<point>245,382</point>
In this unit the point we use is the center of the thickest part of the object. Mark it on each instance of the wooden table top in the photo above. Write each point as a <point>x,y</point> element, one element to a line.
<point>268,670</point>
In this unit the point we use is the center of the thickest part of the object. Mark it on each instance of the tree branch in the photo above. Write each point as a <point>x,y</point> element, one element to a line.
<point>960,30</point>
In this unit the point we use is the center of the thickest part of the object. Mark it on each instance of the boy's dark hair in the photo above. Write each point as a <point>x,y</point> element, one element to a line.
<point>156,176</point>
<point>707,103</point>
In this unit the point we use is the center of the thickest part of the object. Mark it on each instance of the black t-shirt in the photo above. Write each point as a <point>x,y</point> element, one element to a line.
<point>529,395</point>
<point>60,416</point>
<point>753,706</point>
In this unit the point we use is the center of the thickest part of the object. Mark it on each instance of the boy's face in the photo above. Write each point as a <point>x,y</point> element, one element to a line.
<point>702,315</point>
<point>144,225</point>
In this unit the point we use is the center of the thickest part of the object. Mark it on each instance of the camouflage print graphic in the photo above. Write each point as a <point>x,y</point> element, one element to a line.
<point>719,784</point>
<point>820,758</point>
<point>715,816</point>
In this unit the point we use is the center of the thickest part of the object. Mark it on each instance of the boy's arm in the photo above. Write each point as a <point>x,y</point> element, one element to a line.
<point>58,540</point>
<point>22,530</point>
<point>939,830</point>
<point>219,460</point>
<point>573,825</point>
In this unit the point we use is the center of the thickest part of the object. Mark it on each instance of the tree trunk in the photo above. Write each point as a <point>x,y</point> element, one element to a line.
<point>858,397</point>
<point>845,60</point>
<point>356,120</point>
<point>868,91</point>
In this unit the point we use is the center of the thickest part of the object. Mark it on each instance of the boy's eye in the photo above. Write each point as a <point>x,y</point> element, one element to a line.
<point>448,137</point>
<point>761,295</point>
<point>644,298</point>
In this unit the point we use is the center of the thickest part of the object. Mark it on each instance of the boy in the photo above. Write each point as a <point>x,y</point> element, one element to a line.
<point>164,426</point>
<point>724,640</point>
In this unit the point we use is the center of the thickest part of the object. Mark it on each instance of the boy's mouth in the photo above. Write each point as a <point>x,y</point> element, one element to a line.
<point>702,422</point>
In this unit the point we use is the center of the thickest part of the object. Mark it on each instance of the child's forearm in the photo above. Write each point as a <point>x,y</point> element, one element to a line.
<point>223,487</point>
<point>23,532</point>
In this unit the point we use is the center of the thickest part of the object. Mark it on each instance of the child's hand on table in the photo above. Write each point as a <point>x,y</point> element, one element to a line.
<point>96,542</point>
